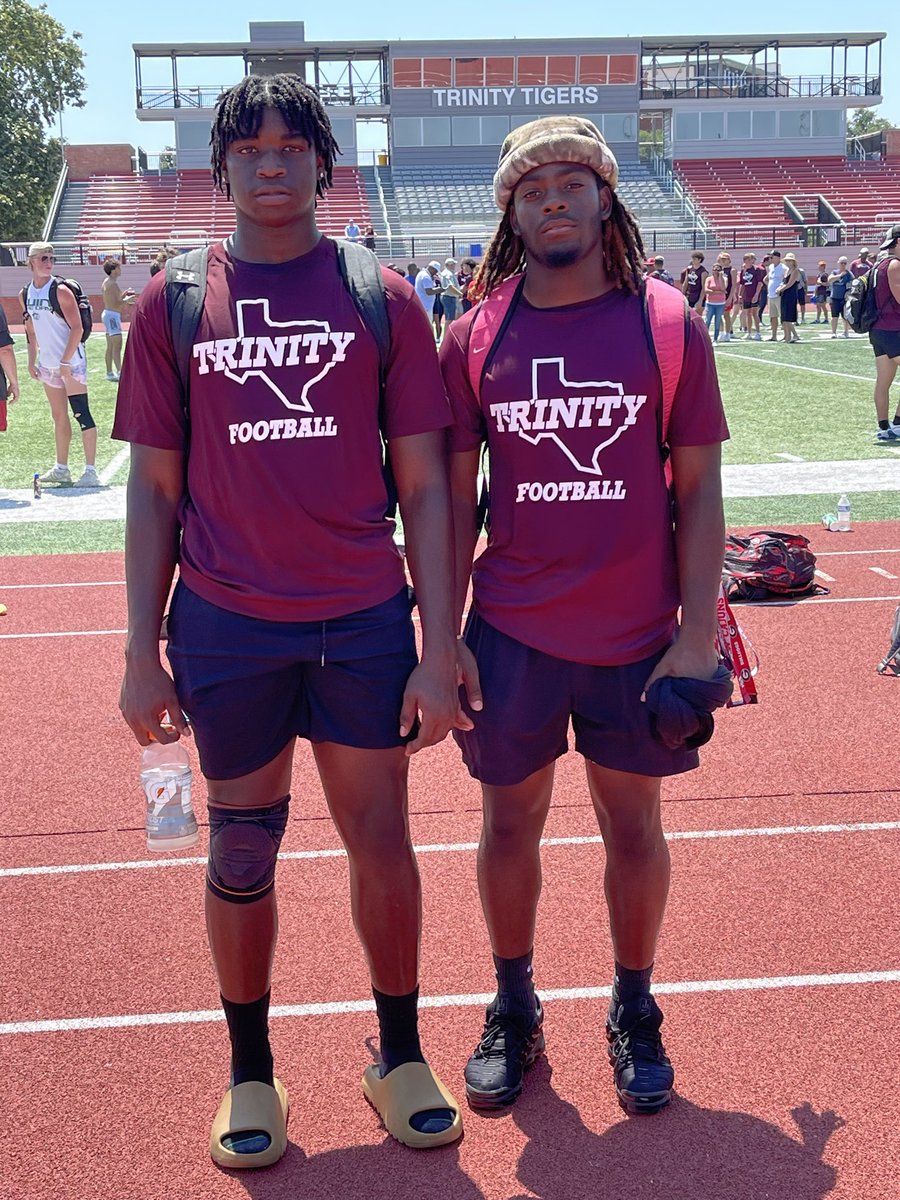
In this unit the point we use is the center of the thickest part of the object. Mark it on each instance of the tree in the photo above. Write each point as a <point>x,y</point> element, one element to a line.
<point>864,121</point>
<point>40,72</point>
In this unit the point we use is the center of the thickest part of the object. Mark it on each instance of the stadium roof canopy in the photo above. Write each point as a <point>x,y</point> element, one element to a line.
<point>255,49</point>
<point>755,43</point>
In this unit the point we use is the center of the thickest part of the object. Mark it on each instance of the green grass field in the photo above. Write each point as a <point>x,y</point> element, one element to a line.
<point>812,401</point>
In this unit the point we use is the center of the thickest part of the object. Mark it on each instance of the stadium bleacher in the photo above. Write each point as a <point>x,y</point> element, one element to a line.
<point>184,206</point>
<point>736,192</point>
<point>432,199</point>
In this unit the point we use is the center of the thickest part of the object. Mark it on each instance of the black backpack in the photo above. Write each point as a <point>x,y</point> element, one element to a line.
<point>361,273</point>
<point>769,564</point>
<point>860,305</point>
<point>84,305</point>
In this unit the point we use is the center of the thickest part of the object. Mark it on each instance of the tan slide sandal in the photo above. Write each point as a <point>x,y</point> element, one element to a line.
<point>246,1108</point>
<point>409,1089</point>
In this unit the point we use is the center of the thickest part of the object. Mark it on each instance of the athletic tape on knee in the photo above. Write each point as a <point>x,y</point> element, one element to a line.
<point>243,850</point>
<point>81,412</point>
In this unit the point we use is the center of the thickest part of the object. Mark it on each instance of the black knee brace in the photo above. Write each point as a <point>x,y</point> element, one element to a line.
<point>81,412</point>
<point>243,850</point>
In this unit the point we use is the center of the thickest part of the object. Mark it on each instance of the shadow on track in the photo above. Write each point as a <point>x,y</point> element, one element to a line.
<point>684,1153</point>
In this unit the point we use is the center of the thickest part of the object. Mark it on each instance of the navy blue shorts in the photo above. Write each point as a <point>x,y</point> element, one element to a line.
<point>249,686</point>
<point>529,699</point>
<point>885,342</point>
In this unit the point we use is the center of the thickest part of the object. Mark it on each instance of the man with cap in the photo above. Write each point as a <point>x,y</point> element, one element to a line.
<point>861,265</point>
<point>451,292</point>
<point>428,286</point>
<point>885,333</point>
<point>574,601</point>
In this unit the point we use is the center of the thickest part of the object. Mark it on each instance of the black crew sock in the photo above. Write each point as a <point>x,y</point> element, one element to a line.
<point>248,1026</point>
<point>515,984</point>
<point>884,424</point>
<point>398,1025</point>
<point>629,985</point>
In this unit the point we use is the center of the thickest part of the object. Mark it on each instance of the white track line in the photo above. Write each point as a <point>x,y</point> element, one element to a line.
<point>464,1000</point>
<point>882,571</point>
<point>111,470</point>
<point>21,587</point>
<point>688,835</point>
<point>802,602</point>
<point>822,575</point>
<point>843,553</point>
<point>797,367</point>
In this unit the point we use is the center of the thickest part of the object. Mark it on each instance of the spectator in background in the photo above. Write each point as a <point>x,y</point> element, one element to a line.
<point>464,279</point>
<point>352,231</point>
<point>451,293</point>
<point>801,294</point>
<point>692,280</point>
<point>787,292</point>
<point>715,289</point>
<point>731,291</point>
<point>764,297</point>
<point>369,239</point>
<point>9,378</point>
<point>822,294</point>
<point>412,270</point>
<point>752,284</point>
<point>158,263</point>
<point>885,333</point>
<point>659,270</point>
<point>839,280</point>
<point>774,279</point>
<point>428,289</point>
<point>114,300</point>
<point>861,265</point>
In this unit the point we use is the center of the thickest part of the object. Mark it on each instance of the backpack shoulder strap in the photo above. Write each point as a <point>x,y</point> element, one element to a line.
<point>667,320</point>
<point>185,293</point>
<point>492,316</point>
<point>361,273</point>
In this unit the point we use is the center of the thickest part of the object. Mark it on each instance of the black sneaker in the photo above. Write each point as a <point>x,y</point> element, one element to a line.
<point>644,1075</point>
<point>510,1042</point>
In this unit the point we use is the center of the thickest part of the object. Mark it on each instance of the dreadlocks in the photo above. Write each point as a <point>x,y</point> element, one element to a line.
<point>623,251</point>
<point>239,114</point>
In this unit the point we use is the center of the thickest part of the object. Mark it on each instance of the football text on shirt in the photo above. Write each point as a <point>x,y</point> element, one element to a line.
<point>601,405</point>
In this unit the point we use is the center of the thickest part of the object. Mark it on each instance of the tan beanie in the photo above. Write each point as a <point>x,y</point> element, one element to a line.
<point>550,140</point>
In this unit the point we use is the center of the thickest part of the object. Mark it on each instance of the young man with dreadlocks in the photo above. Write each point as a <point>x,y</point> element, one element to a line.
<point>575,598</point>
<point>291,616</point>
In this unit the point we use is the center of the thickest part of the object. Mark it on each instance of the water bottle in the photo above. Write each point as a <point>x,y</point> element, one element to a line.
<point>843,515</point>
<point>166,779</point>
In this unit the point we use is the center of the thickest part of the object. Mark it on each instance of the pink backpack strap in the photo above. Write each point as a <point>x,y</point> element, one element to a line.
<point>667,314</point>
<point>486,325</point>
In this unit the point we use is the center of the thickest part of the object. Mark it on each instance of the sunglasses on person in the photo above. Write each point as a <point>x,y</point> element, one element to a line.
<point>48,258</point>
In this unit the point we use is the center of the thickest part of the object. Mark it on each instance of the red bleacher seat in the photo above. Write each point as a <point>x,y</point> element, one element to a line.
<point>152,208</point>
<point>735,192</point>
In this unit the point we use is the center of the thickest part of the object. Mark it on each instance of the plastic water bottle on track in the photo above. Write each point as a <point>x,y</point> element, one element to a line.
<point>843,515</point>
<point>166,779</point>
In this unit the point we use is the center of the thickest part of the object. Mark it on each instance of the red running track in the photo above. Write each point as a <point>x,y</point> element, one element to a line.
<point>781,1059</point>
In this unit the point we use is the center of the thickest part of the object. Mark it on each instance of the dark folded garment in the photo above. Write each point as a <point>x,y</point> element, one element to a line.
<point>681,709</point>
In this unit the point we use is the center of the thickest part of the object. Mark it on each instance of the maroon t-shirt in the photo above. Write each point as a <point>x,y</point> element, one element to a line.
<point>284,517</point>
<point>751,278</point>
<point>888,318</point>
<point>580,561</point>
<point>858,267</point>
<point>695,277</point>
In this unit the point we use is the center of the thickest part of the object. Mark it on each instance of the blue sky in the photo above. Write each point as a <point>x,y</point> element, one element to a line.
<point>109,30</point>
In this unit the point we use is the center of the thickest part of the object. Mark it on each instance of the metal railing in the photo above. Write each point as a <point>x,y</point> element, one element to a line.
<point>53,210</point>
<point>472,241</point>
<point>660,85</point>
<point>199,96</point>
